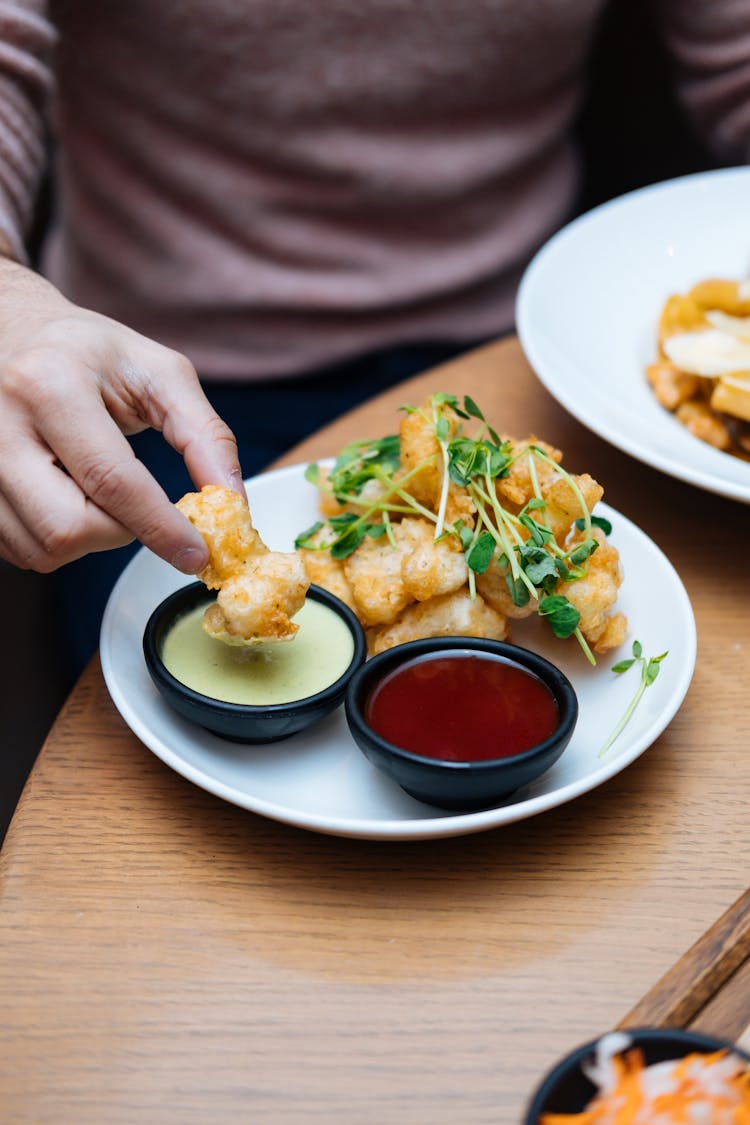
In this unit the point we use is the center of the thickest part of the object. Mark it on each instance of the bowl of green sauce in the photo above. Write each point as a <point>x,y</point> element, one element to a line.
<point>257,694</point>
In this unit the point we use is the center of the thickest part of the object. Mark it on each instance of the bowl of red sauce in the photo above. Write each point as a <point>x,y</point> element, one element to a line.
<point>461,722</point>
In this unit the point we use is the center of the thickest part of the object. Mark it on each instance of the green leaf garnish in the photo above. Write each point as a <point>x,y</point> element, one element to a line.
<point>561,615</point>
<point>304,539</point>
<point>480,555</point>
<point>649,671</point>
<point>596,521</point>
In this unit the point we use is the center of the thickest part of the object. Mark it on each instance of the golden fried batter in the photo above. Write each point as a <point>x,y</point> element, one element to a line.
<point>324,570</point>
<point>448,615</point>
<point>595,595</point>
<point>222,517</point>
<point>259,590</point>
<point>384,579</point>
<point>422,462</point>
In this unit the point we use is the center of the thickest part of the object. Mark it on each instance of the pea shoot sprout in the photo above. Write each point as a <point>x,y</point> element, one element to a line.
<point>649,671</point>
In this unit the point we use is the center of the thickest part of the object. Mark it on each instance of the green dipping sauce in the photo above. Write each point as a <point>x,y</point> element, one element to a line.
<point>261,674</point>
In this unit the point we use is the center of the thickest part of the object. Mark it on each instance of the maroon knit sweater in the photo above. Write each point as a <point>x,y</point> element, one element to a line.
<point>269,185</point>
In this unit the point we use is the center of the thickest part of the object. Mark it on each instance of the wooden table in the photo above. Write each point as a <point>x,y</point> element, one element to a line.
<point>167,957</point>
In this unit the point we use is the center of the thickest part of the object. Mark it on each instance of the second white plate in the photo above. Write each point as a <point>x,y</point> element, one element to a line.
<point>590,300</point>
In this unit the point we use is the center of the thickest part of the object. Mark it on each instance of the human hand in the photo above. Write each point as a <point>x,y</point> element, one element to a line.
<point>72,384</point>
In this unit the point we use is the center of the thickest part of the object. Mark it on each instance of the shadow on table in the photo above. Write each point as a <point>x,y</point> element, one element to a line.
<point>32,684</point>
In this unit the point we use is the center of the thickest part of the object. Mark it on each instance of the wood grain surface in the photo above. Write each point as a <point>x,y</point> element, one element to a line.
<point>168,957</point>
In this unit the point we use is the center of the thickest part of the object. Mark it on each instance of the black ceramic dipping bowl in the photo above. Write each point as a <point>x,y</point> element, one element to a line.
<point>241,722</point>
<point>566,1089</point>
<point>459,785</point>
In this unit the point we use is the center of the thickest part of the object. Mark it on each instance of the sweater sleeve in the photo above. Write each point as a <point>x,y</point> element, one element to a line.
<point>26,42</point>
<point>709,41</point>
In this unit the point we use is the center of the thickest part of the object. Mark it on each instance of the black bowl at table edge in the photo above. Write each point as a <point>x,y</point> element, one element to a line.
<point>459,786</point>
<point>566,1089</point>
<point>239,722</point>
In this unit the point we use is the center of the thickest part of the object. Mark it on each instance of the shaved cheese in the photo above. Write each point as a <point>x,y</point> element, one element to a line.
<point>710,353</point>
<point>732,325</point>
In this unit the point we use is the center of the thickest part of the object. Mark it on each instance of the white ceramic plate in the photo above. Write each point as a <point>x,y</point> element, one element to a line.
<point>590,300</point>
<point>319,779</point>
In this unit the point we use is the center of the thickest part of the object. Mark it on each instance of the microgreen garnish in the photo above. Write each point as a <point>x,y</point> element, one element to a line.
<point>522,544</point>
<point>649,671</point>
<point>596,521</point>
<point>358,462</point>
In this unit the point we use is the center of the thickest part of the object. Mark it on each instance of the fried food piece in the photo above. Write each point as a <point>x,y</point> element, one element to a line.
<point>670,385</point>
<point>680,314</point>
<point>373,572</point>
<point>448,615</point>
<point>384,579</point>
<point>717,293</point>
<point>420,450</point>
<point>324,570</point>
<point>259,590</point>
<point>258,601</point>
<point>563,505</point>
<point>222,517</point>
<point>518,486</point>
<point>494,589</point>
<point>731,395</point>
<point>701,421</point>
<point>429,568</point>
<point>595,595</point>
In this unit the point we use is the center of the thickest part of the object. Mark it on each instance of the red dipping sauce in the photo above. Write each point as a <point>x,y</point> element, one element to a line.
<point>462,707</point>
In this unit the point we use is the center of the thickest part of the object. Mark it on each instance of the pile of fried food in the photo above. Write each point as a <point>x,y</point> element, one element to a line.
<point>702,373</point>
<point>259,590</point>
<point>449,528</point>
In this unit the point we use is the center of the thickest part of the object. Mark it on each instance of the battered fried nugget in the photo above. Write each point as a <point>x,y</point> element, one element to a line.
<point>449,615</point>
<point>563,506</point>
<point>595,595</point>
<point>670,385</point>
<point>429,568</point>
<point>494,589</point>
<point>517,487</point>
<point>420,450</point>
<point>258,601</point>
<point>701,421</point>
<point>385,578</point>
<point>373,572</point>
<point>324,570</point>
<point>259,590</point>
<point>222,517</point>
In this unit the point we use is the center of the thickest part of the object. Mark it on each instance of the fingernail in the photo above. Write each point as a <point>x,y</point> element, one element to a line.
<point>190,560</point>
<point>236,482</point>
